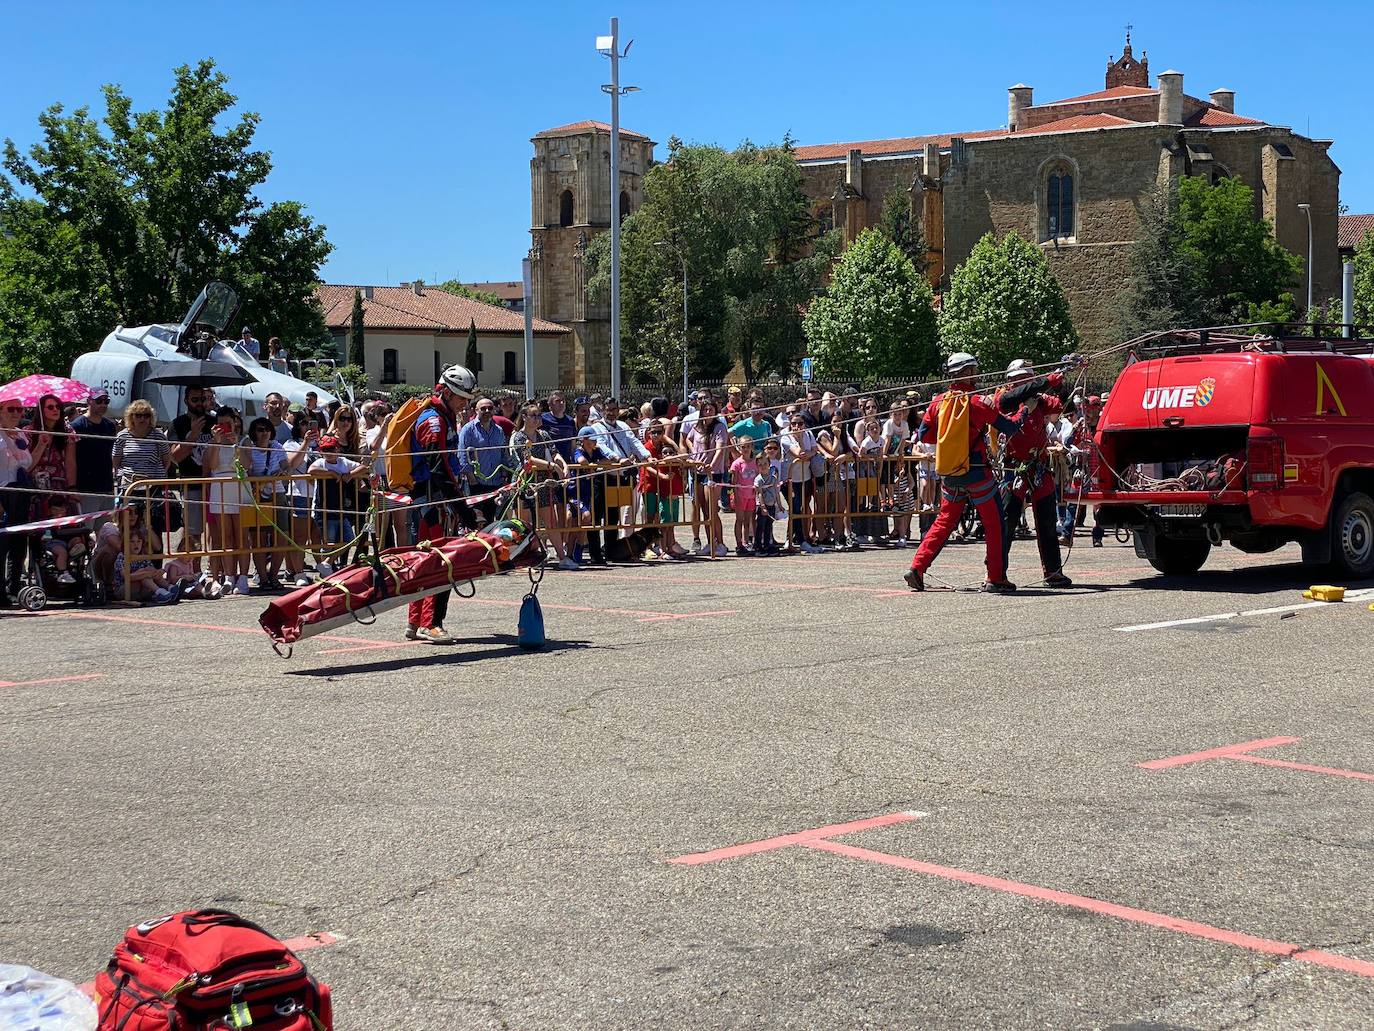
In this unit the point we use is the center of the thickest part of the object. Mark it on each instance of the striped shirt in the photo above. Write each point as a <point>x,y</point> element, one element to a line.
<point>141,458</point>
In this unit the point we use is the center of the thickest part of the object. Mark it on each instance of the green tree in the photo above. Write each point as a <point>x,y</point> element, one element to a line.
<point>1243,267</point>
<point>452,286</point>
<point>741,223</point>
<point>357,344</point>
<point>1004,303</point>
<point>472,358</point>
<point>1166,280</point>
<point>876,317</point>
<point>123,220</point>
<point>896,224</point>
<point>1203,258</point>
<point>1364,280</point>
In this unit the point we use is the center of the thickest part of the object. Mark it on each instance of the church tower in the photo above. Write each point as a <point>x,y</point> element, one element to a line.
<point>570,204</point>
<point>1126,70</point>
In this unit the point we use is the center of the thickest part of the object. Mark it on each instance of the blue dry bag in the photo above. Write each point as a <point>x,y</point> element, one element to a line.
<point>531,625</point>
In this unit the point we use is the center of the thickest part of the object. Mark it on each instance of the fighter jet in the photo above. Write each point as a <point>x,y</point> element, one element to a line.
<point>127,358</point>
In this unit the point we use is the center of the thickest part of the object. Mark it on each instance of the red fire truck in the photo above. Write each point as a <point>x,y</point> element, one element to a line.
<point>1254,436</point>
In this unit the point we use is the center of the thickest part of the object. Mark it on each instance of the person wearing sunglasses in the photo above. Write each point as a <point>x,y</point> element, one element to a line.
<point>15,461</point>
<point>95,433</point>
<point>54,454</point>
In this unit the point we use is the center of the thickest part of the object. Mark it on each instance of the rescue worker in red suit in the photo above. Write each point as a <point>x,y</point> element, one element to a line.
<point>975,486</point>
<point>1028,478</point>
<point>434,444</point>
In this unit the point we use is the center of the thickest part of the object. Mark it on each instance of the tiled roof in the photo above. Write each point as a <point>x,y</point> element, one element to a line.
<point>587,126</point>
<point>1115,93</point>
<point>915,144</point>
<point>898,145</point>
<point>1215,118</point>
<point>1097,120</point>
<point>398,307</point>
<point>1351,229</point>
<point>506,291</point>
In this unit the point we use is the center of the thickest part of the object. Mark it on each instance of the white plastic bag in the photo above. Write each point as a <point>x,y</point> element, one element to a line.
<point>33,1001</point>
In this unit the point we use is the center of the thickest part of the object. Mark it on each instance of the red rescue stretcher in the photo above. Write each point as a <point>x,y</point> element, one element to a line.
<point>399,576</point>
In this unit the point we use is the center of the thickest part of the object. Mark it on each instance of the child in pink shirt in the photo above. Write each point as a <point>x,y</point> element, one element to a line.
<point>743,470</point>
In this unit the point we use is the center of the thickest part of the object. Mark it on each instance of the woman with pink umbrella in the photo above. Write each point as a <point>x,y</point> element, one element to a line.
<point>54,453</point>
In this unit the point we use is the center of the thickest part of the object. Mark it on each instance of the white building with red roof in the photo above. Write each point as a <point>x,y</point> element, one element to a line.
<point>412,332</point>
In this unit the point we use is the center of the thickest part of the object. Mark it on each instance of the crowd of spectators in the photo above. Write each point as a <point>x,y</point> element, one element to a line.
<point>285,499</point>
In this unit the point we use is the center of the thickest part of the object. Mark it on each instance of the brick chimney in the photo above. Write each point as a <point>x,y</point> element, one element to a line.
<point>1171,98</point>
<point>1018,100</point>
<point>1224,99</point>
<point>418,288</point>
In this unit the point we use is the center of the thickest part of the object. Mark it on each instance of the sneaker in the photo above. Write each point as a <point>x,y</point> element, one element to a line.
<point>1058,580</point>
<point>433,635</point>
<point>901,542</point>
<point>304,579</point>
<point>914,579</point>
<point>1096,543</point>
<point>65,577</point>
<point>865,538</point>
<point>256,582</point>
<point>852,544</point>
<point>241,586</point>
<point>569,565</point>
<point>999,587</point>
<point>323,569</point>
<point>742,552</point>
<point>722,551</point>
<point>700,549</point>
<point>808,548</point>
<point>412,632</point>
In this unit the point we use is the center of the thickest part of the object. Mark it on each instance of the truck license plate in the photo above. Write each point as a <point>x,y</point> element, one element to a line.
<point>1179,511</point>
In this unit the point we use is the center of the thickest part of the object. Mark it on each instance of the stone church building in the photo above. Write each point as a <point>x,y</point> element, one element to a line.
<point>1070,174</point>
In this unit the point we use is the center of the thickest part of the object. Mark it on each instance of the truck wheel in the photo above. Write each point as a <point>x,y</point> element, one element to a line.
<point>1352,536</point>
<point>1175,557</point>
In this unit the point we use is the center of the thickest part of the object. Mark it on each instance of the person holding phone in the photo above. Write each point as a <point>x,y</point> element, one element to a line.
<point>225,497</point>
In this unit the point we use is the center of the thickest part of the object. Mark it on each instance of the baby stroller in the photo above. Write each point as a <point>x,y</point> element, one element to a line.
<point>42,581</point>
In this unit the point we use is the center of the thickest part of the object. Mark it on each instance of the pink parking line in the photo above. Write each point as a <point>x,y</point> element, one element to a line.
<point>749,848</point>
<point>1241,753</point>
<point>1284,764</point>
<point>1162,921</point>
<point>653,617</point>
<point>1225,752</point>
<point>50,680</point>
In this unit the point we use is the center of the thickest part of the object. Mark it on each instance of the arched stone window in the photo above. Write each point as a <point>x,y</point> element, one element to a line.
<point>624,205</point>
<point>1219,172</point>
<point>1059,201</point>
<point>565,208</point>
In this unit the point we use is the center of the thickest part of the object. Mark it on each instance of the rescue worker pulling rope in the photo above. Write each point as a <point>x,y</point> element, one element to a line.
<point>958,420</point>
<point>1028,477</point>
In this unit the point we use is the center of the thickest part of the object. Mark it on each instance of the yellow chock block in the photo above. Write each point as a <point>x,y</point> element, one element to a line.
<point>1324,592</point>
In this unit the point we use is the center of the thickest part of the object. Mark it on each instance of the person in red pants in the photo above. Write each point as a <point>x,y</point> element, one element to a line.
<point>974,484</point>
<point>1029,480</point>
<point>434,444</point>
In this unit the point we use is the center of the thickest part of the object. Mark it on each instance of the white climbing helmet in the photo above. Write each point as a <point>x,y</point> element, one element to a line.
<point>459,380</point>
<point>1019,369</point>
<point>961,363</point>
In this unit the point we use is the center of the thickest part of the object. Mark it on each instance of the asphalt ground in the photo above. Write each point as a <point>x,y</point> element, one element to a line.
<point>490,832</point>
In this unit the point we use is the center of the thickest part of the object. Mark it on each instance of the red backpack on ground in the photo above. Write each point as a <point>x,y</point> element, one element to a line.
<point>207,969</point>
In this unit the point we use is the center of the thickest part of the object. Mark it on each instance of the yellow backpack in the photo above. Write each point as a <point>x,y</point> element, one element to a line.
<point>951,435</point>
<point>399,440</point>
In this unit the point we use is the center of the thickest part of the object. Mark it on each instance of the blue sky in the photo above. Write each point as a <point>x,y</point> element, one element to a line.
<point>405,127</point>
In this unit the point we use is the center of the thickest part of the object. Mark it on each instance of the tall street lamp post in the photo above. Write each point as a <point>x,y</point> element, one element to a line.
<point>1306,209</point>
<point>609,46</point>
